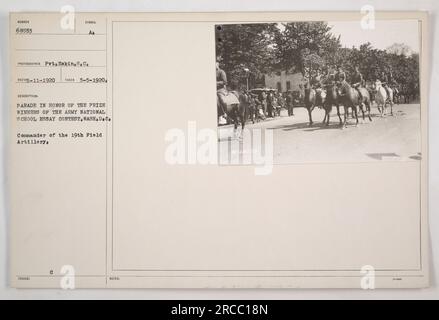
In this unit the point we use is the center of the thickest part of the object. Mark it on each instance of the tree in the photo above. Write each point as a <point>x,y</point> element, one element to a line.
<point>399,49</point>
<point>248,51</point>
<point>299,42</point>
<point>245,46</point>
<point>311,62</point>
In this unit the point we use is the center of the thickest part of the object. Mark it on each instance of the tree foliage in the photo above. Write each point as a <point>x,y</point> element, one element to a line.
<point>245,46</point>
<point>304,47</point>
<point>399,49</point>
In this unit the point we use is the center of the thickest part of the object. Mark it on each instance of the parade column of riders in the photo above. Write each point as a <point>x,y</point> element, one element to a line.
<point>263,105</point>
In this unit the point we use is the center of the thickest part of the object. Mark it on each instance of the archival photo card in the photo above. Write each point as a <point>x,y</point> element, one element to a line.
<point>218,150</point>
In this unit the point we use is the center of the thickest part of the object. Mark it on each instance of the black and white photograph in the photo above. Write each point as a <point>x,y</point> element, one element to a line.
<point>314,177</point>
<point>330,91</point>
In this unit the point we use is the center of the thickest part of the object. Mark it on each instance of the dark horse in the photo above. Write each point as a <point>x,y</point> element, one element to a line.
<point>310,102</point>
<point>365,102</point>
<point>229,102</point>
<point>349,98</point>
<point>330,101</point>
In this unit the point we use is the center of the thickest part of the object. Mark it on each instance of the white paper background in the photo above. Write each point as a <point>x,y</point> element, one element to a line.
<point>226,5</point>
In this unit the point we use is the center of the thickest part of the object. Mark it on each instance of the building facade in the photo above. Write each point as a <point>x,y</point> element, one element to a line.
<point>284,81</point>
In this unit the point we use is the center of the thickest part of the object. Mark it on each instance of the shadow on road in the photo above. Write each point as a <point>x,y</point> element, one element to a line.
<point>307,127</point>
<point>288,127</point>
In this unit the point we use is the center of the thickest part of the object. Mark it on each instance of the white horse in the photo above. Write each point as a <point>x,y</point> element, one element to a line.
<point>380,97</point>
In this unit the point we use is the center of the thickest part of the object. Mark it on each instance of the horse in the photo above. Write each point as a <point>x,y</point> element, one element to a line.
<point>390,98</point>
<point>320,97</point>
<point>365,102</point>
<point>230,103</point>
<point>380,96</point>
<point>246,103</point>
<point>331,100</point>
<point>349,98</point>
<point>396,94</point>
<point>310,102</point>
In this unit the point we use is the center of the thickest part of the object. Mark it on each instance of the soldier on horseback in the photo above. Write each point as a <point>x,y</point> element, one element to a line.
<point>221,89</point>
<point>340,79</point>
<point>357,81</point>
<point>316,83</point>
<point>385,81</point>
<point>329,77</point>
<point>340,75</point>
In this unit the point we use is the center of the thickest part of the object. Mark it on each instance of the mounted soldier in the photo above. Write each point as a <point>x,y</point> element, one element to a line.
<point>221,89</point>
<point>316,83</point>
<point>340,79</point>
<point>306,82</point>
<point>232,104</point>
<point>329,77</point>
<point>340,75</point>
<point>385,81</point>
<point>357,81</point>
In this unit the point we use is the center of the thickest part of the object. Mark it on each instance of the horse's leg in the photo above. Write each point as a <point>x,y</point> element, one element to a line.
<point>247,113</point>
<point>329,114</point>
<point>356,115</point>
<point>338,114</point>
<point>309,115</point>
<point>391,108</point>
<point>240,116</point>
<point>326,114</point>
<point>368,110</point>
<point>235,126</point>
<point>362,106</point>
<point>244,116</point>
<point>345,115</point>
<point>235,119</point>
